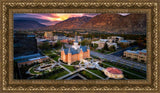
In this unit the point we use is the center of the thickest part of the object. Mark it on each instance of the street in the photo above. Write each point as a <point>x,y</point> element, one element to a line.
<point>113,58</point>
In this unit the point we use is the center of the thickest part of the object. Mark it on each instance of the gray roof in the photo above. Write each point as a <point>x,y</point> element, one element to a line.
<point>74,51</point>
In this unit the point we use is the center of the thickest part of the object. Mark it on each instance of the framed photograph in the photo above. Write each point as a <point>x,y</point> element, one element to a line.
<point>87,46</point>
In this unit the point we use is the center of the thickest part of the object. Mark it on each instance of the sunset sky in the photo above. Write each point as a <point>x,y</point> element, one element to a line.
<point>52,18</point>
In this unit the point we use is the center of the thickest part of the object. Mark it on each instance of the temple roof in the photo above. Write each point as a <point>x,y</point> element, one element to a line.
<point>75,51</point>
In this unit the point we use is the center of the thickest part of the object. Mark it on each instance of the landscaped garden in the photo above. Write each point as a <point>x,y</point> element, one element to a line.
<point>56,73</point>
<point>98,72</point>
<point>88,75</point>
<point>52,54</point>
<point>33,70</point>
<point>71,68</point>
<point>75,63</point>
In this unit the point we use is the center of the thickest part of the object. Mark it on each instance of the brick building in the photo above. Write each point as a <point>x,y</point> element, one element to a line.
<point>48,35</point>
<point>140,55</point>
<point>75,53</point>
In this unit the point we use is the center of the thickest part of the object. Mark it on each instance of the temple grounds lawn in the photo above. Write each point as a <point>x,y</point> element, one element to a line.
<point>98,72</point>
<point>75,63</point>
<point>52,54</point>
<point>71,68</point>
<point>33,71</point>
<point>47,52</point>
<point>57,75</point>
<point>56,58</point>
<point>88,75</point>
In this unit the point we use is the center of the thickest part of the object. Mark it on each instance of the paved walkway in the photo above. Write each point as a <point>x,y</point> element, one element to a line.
<point>64,68</point>
<point>70,73</point>
<point>75,76</point>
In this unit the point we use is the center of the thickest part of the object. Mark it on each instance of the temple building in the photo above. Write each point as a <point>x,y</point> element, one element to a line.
<point>75,53</point>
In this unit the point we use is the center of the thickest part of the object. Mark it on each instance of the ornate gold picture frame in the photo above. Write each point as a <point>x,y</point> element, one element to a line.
<point>8,8</point>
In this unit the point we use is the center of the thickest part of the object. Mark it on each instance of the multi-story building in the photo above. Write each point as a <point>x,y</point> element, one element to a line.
<point>115,38</point>
<point>139,55</point>
<point>56,37</point>
<point>24,44</point>
<point>41,41</point>
<point>29,59</point>
<point>48,35</point>
<point>75,53</point>
<point>101,43</point>
<point>79,38</point>
<point>127,42</point>
<point>64,41</point>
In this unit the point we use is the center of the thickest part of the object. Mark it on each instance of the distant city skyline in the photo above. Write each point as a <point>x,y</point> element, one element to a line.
<point>53,18</point>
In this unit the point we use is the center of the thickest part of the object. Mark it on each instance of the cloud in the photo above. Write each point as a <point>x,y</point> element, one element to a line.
<point>124,14</point>
<point>50,18</point>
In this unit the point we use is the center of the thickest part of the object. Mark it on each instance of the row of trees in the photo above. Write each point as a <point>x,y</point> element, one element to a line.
<point>47,46</point>
<point>107,48</point>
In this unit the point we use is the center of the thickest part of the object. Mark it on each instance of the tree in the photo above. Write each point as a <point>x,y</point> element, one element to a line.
<point>45,46</point>
<point>95,46</point>
<point>112,48</point>
<point>58,44</point>
<point>16,71</point>
<point>122,45</point>
<point>105,46</point>
<point>85,42</point>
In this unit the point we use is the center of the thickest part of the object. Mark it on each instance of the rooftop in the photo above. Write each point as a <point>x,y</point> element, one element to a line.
<point>37,58</point>
<point>74,51</point>
<point>114,70</point>
<point>137,52</point>
<point>125,41</point>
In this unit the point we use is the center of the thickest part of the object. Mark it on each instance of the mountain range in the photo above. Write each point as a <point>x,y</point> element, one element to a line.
<point>111,23</point>
<point>23,24</point>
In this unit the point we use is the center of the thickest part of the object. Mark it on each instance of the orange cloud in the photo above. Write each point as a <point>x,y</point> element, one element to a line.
<point>60,16</point>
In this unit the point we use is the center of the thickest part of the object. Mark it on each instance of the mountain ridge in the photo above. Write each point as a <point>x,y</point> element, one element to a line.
<point>110,23</point>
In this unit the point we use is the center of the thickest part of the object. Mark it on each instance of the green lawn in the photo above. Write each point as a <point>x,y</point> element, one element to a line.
<point>71,68</point>
<point>56,58</point>
<point>75,63</point>
<point>88,75</point>
<point>130,76</point>
<point>57,75</point>
<point>103,65</point>
<point>98,72</point>
<point>47,52</point>
<point>108,52</point>
<point>33,72</point>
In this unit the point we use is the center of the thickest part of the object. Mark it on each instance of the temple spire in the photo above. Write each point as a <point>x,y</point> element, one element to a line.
<point>69,51</point>
<point>88,47</point>
<point>62,49</point>
<point>81,49</point>
<point>76,40</point>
